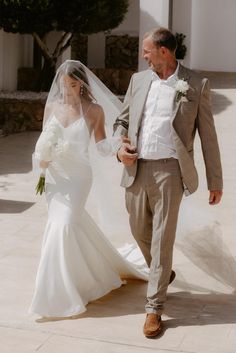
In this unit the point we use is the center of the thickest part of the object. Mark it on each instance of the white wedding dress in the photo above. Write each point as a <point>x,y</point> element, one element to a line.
<point>78,264</point>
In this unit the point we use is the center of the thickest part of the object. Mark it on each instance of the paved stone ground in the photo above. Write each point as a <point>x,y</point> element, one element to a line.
<point>201,309</point>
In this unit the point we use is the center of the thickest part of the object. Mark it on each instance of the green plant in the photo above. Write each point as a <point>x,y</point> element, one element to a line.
<point>181,48</point>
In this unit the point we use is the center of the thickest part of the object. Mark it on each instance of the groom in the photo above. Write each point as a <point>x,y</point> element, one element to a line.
<point>163,108</point>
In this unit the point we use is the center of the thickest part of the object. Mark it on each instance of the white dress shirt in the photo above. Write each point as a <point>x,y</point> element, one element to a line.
<point>155,139</point>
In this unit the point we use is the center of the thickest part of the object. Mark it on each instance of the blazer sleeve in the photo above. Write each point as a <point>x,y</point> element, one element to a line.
<point>208,137</point>
<point>121,124</point>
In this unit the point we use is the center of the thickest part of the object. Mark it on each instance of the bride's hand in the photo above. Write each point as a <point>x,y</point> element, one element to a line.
<point>43,164</point>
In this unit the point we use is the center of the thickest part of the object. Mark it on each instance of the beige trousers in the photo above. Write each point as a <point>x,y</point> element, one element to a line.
<point>153,202</point>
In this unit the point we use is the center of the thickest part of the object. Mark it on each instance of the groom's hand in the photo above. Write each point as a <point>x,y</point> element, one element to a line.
<point>127,153</point>
<point>215,197</point>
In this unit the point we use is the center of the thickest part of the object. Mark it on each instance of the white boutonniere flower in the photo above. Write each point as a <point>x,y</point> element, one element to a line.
<point>181,89</point>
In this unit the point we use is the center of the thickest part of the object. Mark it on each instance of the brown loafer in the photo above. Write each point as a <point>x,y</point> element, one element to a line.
<point>152,326</point>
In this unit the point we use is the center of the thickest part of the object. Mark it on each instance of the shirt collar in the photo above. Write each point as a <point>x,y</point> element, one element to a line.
<point>172,77</point>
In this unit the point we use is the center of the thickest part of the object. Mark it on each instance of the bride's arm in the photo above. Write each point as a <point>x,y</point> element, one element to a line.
<point>105,146</point>
<point>99,124</point>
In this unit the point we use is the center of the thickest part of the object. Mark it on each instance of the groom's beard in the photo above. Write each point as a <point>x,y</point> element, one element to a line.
<point>152,67</point>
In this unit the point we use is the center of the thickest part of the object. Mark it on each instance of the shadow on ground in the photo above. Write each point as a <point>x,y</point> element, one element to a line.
<point>220,102</point>
<point>192,304</point>
<point>16,152</point>
<point>10,206</point>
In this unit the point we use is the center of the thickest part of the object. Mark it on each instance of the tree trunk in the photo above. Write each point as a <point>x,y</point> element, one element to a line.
<point>50,60</point>
<point>47,74</point>
<point>37,56</point>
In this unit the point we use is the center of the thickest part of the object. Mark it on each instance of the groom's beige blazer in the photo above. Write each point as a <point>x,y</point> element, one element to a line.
<point>191,113</point>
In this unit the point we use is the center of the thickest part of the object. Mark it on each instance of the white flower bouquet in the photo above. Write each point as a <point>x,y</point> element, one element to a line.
<point>49,146</point>
<point>46,143</point>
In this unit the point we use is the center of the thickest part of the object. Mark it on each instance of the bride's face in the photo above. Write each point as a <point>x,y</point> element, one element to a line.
<point>72,86</point>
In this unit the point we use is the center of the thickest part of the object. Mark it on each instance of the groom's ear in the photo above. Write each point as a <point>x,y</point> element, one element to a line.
<point>164,51</point>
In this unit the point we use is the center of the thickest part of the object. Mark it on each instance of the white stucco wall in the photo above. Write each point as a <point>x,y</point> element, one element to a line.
<point>15,52</point>
<point>181,23</point>
<point>210,27</point>
<point>213,35</point>
<point>153,13</point>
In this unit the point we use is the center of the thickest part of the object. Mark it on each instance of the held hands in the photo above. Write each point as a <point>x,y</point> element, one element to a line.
<point>127,153</point>
<point>215,197</point>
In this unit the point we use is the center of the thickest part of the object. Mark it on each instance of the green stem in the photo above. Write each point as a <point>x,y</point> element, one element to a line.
<point>40,187</point>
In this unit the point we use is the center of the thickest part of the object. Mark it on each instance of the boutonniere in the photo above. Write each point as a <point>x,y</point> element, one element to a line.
<point>181,89</point>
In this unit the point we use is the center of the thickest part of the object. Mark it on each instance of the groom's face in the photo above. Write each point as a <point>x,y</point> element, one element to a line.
<point>152,54</point>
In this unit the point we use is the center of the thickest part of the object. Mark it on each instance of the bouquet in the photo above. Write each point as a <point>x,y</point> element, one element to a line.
<point>47,142</point>
<point>49,145</point>
<point>40,187</point>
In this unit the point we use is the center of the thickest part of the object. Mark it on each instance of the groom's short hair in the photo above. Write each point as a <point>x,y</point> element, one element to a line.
<point>162,37</point>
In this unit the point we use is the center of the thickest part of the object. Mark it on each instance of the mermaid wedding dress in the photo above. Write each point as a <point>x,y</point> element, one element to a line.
<point>78,263</point>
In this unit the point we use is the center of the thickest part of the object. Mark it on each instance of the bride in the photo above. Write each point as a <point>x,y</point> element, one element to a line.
<point>78,263</point>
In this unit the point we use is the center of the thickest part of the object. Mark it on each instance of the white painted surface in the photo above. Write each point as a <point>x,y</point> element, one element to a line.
<point>153,13</point>
<point>210,27</point>
<point>15,52</point>
<point>213,35</point>
<point>181,23</point>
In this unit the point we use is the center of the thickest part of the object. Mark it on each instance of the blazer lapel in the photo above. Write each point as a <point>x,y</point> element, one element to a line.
<point>182,75</point>
<point>142,87</point>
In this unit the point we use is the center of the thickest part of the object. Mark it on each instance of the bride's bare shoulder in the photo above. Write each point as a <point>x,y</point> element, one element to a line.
<point>95,113</point>
<point>95,108</point>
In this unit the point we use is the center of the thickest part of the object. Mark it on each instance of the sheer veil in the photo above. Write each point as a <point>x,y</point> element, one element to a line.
<point>106,200</point>
<point>95,90</point>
